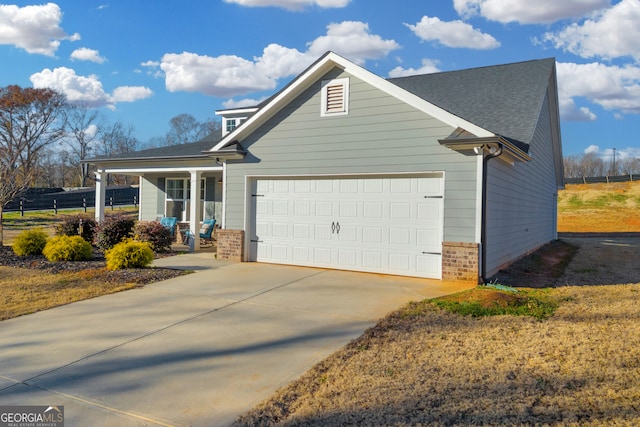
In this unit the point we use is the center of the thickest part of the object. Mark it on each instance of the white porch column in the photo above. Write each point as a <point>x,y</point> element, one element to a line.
<point>194,209</point>
<point>101,193</point>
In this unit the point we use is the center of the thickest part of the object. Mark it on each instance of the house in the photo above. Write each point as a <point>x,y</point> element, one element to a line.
<point>451,175</point>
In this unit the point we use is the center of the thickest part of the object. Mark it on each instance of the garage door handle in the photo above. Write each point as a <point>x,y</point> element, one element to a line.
<point>431,253</point>
<point>337,228</point>
<point>333,227</point>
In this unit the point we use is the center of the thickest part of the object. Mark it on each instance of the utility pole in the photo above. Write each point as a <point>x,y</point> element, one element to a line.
<point>614,162</point>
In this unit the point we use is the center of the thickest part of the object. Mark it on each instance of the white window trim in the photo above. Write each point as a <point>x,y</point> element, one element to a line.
<point>186,188</point>
<point>238,121</point>
<point>345,91</point>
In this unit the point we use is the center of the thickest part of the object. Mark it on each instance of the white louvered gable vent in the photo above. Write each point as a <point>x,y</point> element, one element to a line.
<point>335,97</point>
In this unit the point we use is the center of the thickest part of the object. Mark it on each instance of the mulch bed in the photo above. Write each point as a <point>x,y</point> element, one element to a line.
<point>141,276</point>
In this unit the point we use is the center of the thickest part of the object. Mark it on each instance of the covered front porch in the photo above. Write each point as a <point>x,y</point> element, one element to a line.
<point>168,192</point>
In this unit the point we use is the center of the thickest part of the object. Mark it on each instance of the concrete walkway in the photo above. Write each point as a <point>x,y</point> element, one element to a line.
<point>198,350</point>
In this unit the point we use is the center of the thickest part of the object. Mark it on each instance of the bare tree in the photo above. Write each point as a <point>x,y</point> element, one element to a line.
<point>83,127</point>
<point>30,119</point>
<point>115,140</point>
<point>184,128</point>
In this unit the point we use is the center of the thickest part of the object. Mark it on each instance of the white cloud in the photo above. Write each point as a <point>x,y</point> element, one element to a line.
<point>86,54</point>
<point>86,89</point>
<point>428,66</point>
<point>452,34</point>
<point>592,149</point>
<point>130,94</point>
<point>152,64</point>
<point>528,11</point>
<point>292,4</point>
<point>222,76</point>
<point>230,75</point>
<point>611,34</point>
<point>352,40</point>
<point>570,112</point>
<point>247,102</point>
<point>622,154</point>
<point>35,29</point>
<point>612,87</point>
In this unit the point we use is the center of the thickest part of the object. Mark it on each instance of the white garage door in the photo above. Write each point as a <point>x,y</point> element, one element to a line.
<point>386,225</point>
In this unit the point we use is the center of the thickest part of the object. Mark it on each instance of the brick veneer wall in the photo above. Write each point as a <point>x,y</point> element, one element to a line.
<point>460,261</point>
<point>230,244</point>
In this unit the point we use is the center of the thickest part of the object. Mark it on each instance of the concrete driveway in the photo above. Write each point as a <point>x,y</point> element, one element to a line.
<point>198,350</point>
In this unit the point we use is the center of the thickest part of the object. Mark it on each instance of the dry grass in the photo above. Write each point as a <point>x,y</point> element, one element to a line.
<point>25,291</point>
<point>589,208</point>
<point>425,366</point>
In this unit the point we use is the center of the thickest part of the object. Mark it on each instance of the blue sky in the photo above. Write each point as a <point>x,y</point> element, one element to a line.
<point>143,62</point>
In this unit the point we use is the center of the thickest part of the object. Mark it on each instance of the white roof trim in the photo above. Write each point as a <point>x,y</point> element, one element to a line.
<point>325,64</point>
<point>237,111</point>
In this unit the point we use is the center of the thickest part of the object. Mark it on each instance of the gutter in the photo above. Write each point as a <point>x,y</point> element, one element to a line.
<point>483,227</point>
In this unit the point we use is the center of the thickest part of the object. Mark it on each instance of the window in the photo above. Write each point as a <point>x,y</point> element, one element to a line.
<point>230,125</point>
<point>335,97</point>
<point>178,197</point>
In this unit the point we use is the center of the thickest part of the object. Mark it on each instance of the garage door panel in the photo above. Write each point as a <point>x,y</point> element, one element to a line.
<point>399,236</point>
<point>399,262</point>
<point>324,209</point>
<point>399,210</point>
<point>372,235</point>
<point>301,254</point>
<point>428,263</point>
<point>372,260</point>
<point>380,225</point>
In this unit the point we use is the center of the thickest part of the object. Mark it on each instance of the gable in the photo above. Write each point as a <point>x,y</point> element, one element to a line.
<point>315,73</point>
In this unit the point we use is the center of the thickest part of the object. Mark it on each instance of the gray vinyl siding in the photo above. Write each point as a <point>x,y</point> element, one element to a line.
<point>379,135</point>
<point>522,200</point>
<point>152,197</point>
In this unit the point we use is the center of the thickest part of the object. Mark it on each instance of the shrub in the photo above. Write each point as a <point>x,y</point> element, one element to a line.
<point>70,226</point>
<point>67,248</point>
<point>129,254</point>
<point>154,233</point>
<point>30,242</point>
<point>113,230</point>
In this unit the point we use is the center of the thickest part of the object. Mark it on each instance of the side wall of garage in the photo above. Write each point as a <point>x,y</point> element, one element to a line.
<point>522,200</point>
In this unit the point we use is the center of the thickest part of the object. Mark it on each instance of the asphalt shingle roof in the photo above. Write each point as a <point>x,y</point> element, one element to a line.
<point>180,150</point>
<point>503,99</point>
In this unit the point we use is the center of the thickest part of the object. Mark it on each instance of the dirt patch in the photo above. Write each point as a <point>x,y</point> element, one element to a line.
<point>578,259</point>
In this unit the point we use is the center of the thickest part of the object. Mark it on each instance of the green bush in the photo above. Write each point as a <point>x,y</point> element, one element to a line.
<point>30,242</point>
<point>113,230</point>
<point>129,254</point>
<point>154,233</point>
<point>70,226</point>
<point>67,248</point>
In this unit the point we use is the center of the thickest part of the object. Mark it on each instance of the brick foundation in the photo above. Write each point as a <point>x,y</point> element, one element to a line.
<point>460,261</point>
<point>230,244</point>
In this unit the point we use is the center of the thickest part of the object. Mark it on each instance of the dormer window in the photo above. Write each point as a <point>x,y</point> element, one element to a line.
<point>335,97</point>
<point>230,123</point>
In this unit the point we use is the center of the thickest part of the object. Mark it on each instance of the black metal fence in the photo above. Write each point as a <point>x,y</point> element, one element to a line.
<point>600,179</point>
<point>54,199</point>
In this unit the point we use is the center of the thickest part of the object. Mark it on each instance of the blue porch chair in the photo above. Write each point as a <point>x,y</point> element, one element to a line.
<point>170,223</point>
<point>205,233</point>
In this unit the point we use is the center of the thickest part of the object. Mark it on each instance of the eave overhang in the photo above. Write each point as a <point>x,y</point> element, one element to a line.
<point>511,152</point>
<point>233,151</point>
